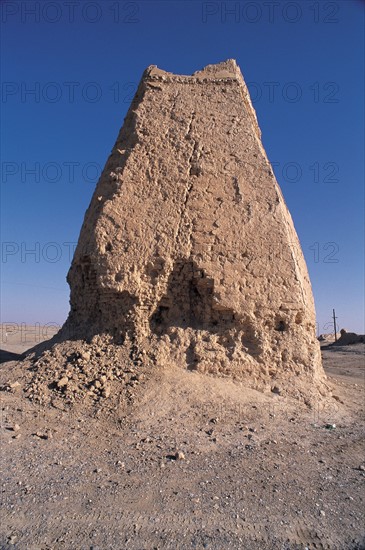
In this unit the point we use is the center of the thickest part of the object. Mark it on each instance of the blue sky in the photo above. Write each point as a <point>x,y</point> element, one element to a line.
<point>69,71</point>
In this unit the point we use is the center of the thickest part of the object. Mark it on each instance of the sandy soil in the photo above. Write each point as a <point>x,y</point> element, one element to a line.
<point>252,471</point>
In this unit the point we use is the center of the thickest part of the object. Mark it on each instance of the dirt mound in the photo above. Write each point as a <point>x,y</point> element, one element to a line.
<point>348,338</point>
<point>75,371</point>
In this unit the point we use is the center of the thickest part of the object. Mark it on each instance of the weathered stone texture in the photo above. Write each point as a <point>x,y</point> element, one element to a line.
<point>188,250</point>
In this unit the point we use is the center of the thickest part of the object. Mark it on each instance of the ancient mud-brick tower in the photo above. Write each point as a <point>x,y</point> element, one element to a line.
<point>188,252</point>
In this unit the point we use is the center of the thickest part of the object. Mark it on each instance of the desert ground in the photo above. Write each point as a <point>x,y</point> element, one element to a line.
<point>177,459</point>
